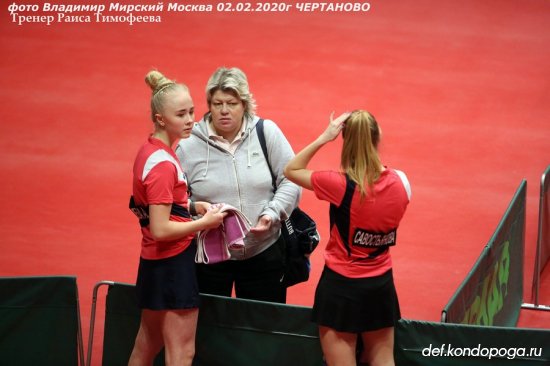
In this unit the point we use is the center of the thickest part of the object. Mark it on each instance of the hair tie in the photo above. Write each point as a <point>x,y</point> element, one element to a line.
<point>164,87</point>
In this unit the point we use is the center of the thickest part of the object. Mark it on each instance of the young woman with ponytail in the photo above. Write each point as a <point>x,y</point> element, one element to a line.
<point>356,293</point>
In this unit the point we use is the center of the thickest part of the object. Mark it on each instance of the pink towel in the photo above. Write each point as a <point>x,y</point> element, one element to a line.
<point>213,245</point>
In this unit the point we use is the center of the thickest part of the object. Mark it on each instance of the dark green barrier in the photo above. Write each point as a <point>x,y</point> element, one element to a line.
<point>427,344</point>
<point>230,332</point>
<point>492,292</point>
<point>233,332</point>
<point>122,318</point>
<point>244,332</point>
<point>39,321</point>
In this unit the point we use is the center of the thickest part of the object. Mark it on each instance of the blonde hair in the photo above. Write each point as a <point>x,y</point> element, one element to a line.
<point>160,86</point>
<point>359,159</point>
<point>233,81</point>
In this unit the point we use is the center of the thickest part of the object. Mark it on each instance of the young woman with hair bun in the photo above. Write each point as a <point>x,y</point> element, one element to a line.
<point>166,285</point>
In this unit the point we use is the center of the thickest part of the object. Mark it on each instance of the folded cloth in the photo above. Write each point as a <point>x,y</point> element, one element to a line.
<point>213,244</point>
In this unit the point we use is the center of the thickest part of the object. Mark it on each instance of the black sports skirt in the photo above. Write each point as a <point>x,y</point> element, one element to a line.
<point>355,305</point>
<point>169,283</point>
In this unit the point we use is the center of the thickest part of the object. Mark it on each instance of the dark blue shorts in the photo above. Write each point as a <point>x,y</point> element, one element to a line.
<point>355,305</point>
<point>169,283</point>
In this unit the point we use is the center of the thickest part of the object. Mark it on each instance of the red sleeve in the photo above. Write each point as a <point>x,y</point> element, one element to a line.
<point>160,182</point>
<point>329,186</point>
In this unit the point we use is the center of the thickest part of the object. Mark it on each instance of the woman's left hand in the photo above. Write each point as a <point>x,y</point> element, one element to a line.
<point>263,225</point>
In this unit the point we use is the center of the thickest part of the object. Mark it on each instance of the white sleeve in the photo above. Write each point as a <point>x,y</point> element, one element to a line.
<point>405,181</point>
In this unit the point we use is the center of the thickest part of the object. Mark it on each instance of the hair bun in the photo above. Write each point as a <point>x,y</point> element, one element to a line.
<point>156,80</point>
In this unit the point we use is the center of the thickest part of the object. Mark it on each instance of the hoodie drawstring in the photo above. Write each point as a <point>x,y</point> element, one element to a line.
<point>207,157</point>
<point>248,148</point>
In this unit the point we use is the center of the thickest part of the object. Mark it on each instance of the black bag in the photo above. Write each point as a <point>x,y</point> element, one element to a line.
<point>301,237</point>
<point>299,232</point>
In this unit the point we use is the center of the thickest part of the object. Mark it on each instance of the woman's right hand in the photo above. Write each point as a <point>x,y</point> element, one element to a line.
<point>213,217</point>
<point>334,127</point>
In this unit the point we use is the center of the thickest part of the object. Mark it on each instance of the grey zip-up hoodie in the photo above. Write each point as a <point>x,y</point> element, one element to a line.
<point>242,179</point>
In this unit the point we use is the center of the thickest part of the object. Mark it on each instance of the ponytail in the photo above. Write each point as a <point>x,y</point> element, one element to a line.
<point>359,159</point>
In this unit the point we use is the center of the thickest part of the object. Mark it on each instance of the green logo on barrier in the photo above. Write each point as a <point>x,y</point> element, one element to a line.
<point>494,289</point>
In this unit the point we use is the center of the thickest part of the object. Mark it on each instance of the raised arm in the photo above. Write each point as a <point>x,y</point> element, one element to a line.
<point>296,170</point>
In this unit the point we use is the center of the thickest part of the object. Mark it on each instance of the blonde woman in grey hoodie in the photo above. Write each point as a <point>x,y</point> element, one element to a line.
<point>224,163</point>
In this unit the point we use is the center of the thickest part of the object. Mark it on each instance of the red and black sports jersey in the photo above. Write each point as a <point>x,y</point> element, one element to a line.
<point>159,179</point>
<point>362,230</point>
